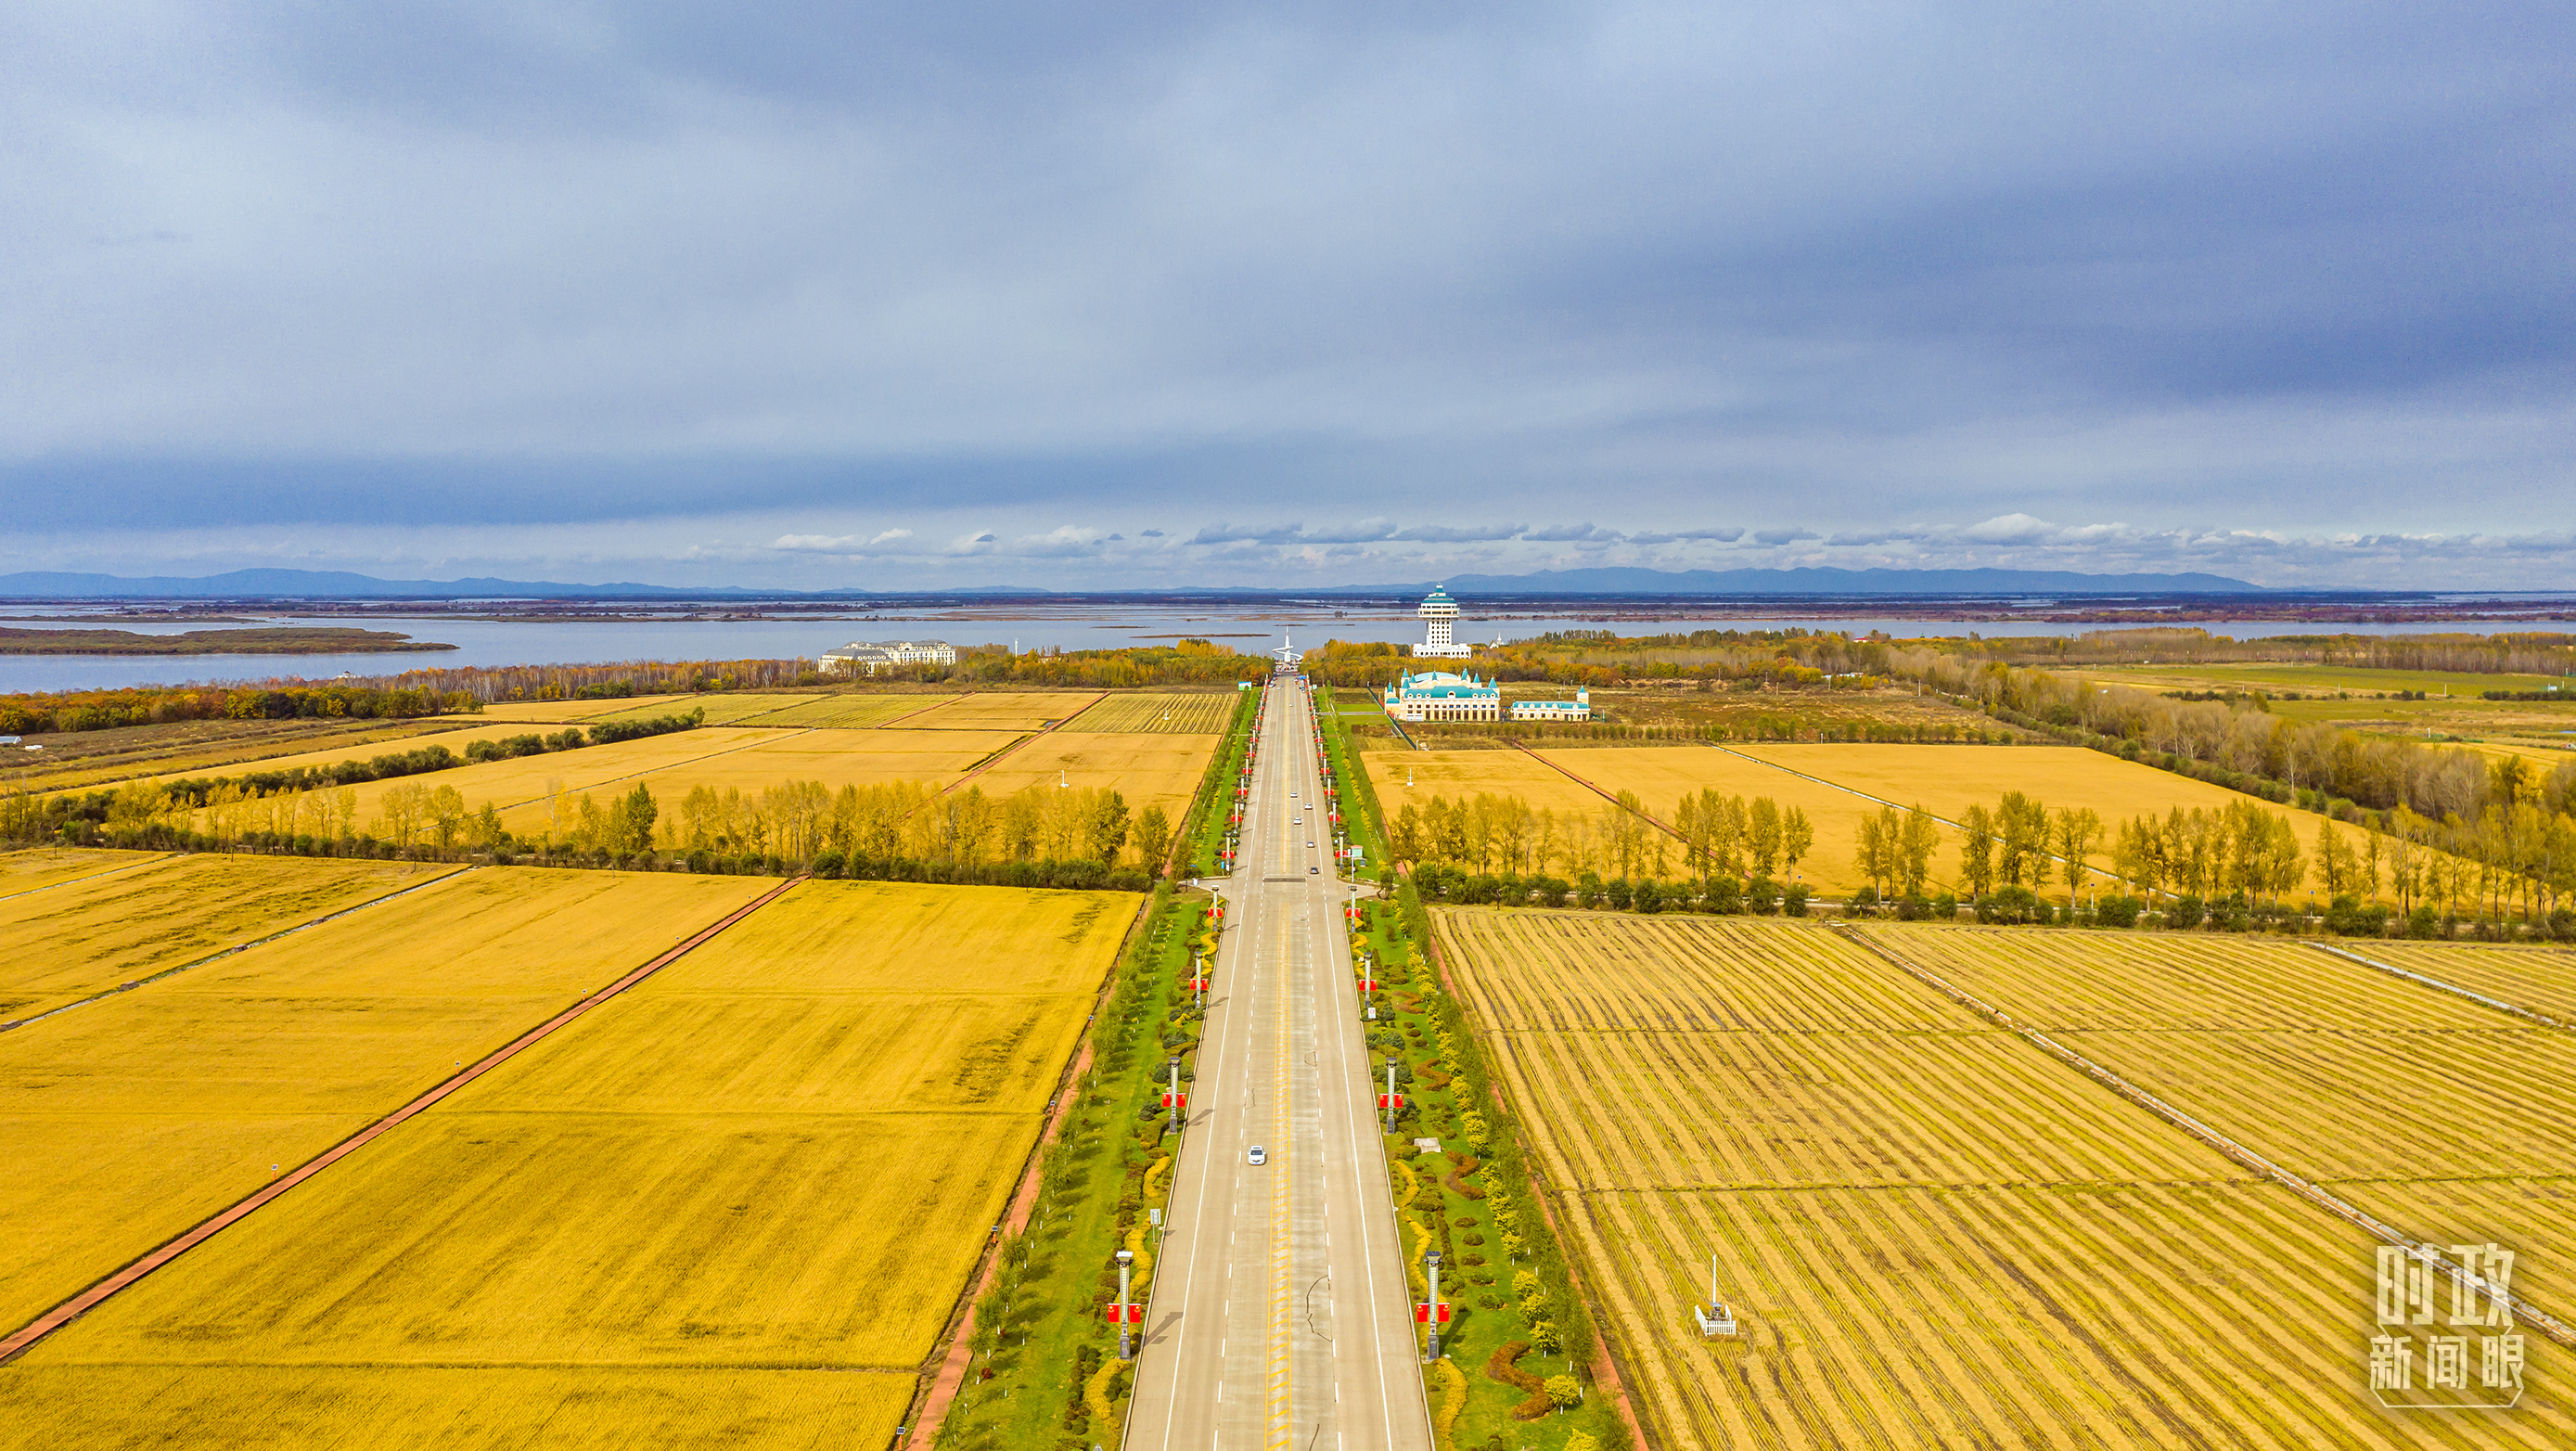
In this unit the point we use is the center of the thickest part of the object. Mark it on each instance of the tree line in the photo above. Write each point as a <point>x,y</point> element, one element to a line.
<point>44,712</point>
<point>1713,834</point>
<point>906,830</point>
<point>2317,762</point>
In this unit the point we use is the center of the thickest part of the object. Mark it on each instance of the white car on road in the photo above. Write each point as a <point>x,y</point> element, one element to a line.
<point>1259,1155</point>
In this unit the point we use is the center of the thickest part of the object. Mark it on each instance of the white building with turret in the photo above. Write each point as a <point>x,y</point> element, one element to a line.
<point>1439,612</point>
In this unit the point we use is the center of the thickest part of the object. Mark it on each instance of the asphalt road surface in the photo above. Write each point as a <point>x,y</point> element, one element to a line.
<point>1281,1318</point>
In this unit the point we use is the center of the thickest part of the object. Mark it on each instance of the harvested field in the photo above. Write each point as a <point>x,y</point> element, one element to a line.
<point>1166,713</point>
<point>638,707</point>
<point>1935,1233</point>
<point>1658,774</point>
<point>2227,1314</point>
<point>1149,770</point>
<point>2164,981</point>
<point>784,1150</point>
<point>418,1408</point>
<point>522,779</point>
<point>760,760</point>
<point>455,740</point>
<point>35,868</point>
<point>844,712</point>
<point>1001,711</point>
<point>1831,783</point>
<point>117,928</point>
<point>136,1116</point>
<point>92,759</point>
<point>2418,1106</point>
<point>1949,779</point>
<point>2541,979</point>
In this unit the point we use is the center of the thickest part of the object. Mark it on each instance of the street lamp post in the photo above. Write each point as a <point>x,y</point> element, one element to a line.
<point>1173,1099</point>
<point>1126,1261</point>
<point>1431,1314</point>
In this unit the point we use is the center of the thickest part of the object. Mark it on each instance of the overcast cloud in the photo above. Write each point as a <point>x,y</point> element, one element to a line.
<point>1128,295</point>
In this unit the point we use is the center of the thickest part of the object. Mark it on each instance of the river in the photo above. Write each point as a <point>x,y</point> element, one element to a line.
<point>1251,628</point>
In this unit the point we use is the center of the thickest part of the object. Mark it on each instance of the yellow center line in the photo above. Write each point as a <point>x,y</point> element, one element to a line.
<point>1281,1417</point>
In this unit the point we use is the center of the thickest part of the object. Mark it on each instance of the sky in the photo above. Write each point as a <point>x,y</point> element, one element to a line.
<point>1126,295</point>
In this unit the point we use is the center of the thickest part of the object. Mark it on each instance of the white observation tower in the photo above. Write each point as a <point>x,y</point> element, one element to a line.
<point>1437,611</point>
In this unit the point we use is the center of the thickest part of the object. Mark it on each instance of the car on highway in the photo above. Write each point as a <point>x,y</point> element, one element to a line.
<point>1314,871</point>
<point>1259,1155</point>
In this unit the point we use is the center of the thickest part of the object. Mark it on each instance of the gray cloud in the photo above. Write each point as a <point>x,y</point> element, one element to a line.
<point>611,282</point>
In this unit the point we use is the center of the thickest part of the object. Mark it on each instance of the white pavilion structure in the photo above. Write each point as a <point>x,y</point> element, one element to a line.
<point>1438,612</point>
<point>1441,695</point>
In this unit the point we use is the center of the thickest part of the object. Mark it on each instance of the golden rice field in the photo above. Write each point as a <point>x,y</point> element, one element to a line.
<point>90,760</point>
<point>1833,784</point>
<point>1148,769</point>
<point>835,758</point>
<point>1934,1233</point>
<point>436,1408</point>
<point>842,712</point>
<point>522,779</point>
<point>1195,713</point>
<point>638,707</point>
<point>88,935</point>
<point>455,740</point>
<point>36,868</point>
<point>759,1176</point>
<point>127,1120</point>
<point>2540,979</point>
<point>1000,710</point>
<point>2401,1098</point>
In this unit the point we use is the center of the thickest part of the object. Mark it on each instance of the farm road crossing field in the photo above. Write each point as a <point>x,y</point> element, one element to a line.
<point>1949,779</point>
<point>835,758</point>
<point>1658,774</point>
<point>32,869</point>
<point>842,712</point>
<point>1945,780</point>
<point>2394,1096</point>
<point>1197,714</point>
<point>130,1119</point>
<point>2541,979</point>
<point>1001,710</point>
<point>83,937</point>
<point>454,740</point>
<point>725,707</point>
<point>720,1172</point>
<point>557,712</point>
<point>1931,1231</point>
<point>1149,770</point>
<point>522,779</point>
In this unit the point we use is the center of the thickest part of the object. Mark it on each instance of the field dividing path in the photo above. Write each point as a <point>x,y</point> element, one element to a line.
<point>87,1300</point>
<point>995,759</point>
<point>1281,1319</point>
<point>2298,1184</point>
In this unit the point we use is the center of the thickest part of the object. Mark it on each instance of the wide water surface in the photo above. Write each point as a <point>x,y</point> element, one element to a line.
<point>1252,630</point>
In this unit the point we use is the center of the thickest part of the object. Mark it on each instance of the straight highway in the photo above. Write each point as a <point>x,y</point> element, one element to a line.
<point>1281,1318</point>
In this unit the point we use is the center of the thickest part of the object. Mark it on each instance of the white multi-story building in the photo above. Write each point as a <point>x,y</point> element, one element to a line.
<point>867,657</point>
<point>1438,612</point>
<point>1439,695</point>
<point>1579,708</point>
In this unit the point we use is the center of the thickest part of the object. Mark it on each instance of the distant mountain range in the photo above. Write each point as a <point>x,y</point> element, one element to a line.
<point>316,584</point>
<point>1827,581</point>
